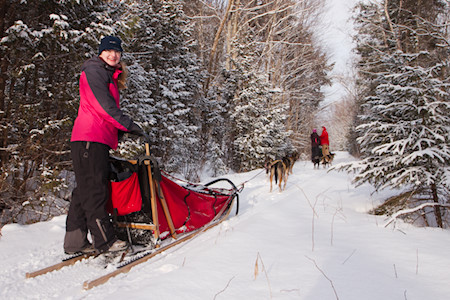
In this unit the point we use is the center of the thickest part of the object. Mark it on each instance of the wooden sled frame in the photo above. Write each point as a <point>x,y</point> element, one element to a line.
<point>156,194</point>
<point>153,203</point>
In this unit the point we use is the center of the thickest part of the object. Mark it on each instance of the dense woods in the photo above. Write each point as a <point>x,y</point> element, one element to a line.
<point>403,125</point>
<point>218,86</point>
<point>222,85</point>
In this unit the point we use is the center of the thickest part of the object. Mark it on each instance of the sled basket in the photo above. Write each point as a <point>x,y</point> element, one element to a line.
<point>146,206</point>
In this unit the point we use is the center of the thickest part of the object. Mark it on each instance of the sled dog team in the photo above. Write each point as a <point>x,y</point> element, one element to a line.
<point>280,169</point>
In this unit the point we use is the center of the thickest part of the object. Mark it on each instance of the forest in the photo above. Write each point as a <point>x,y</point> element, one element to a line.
<point>221,86</point>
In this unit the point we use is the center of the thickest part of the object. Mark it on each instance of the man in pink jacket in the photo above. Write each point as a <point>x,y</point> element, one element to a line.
<point>95,131</point>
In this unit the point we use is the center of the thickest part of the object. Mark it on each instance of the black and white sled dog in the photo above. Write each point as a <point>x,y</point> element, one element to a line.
<point>316,161</point>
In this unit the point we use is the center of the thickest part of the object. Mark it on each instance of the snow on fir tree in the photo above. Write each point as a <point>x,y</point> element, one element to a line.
<point>41,51</point>
<point>166,84</point>
<point>404,129</point>
<point>258,125</point>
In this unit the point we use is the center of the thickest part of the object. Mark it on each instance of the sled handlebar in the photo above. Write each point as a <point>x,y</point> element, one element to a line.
<point>146,138</point>
<point>140,134</point>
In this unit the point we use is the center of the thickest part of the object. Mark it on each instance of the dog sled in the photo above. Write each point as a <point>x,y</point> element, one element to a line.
<point>154,212</point>
<point>148,205</point>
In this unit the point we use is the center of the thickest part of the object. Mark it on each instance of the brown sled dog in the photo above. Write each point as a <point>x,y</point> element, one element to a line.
<point>327,159</point>
<point>277,169</point>
<point>290,160</point>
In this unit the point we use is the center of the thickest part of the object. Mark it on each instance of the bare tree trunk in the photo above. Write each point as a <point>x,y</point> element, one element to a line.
<point>216,42</point>
<point>228,41</point>
<point>388,18</point>
<point>3,68</point>
<point>232,28</point>
<point>437,209</point>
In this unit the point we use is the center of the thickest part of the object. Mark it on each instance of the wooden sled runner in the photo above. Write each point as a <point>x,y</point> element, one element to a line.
<point>98,281</point>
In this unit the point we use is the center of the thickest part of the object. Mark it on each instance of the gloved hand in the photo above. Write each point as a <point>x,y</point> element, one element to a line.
<point>137,130</point>
<point>120,134</point>
<point>146,137</point>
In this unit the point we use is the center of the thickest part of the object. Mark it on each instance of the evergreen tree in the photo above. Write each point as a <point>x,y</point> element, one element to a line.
<point>215,134</point>
<point>284,50</point>
<point>404,129</point>
<point>165,84</point>
<point>42,45</point>
<point>137,99</point>
<point>258,126</point>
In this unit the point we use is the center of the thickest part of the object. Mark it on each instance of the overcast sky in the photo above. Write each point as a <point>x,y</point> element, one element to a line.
<point>336,36</point>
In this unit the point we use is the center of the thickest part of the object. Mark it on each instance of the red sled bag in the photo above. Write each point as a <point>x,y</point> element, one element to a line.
<point>125,196</point>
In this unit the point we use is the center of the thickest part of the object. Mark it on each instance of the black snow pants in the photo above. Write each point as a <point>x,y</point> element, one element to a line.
<point>315,153</point>
<point>87,211</point>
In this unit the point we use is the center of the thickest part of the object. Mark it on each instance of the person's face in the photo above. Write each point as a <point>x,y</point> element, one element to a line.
<point>111,57</point>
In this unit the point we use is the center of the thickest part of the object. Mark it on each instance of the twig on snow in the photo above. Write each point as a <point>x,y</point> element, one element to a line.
<point>313,207</point>
<point>256,271</point>
<point>323,273</point>
<point>351,254</point>
<point>338,210</point>
<point>417,261</point>
<point>395,272</point>
<point>223,288</point>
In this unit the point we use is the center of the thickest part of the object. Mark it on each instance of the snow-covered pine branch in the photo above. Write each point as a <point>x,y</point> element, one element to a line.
<point>414,209</point>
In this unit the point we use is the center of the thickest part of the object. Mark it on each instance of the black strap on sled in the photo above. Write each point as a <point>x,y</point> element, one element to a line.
<point>235,190</point>
<point>156,172</point>
<point>156,175</point>
<point>187,206</point>
<point>216,192</point>
<point>145,188</point>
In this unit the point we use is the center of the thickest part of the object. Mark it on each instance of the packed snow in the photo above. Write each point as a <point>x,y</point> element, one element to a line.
<point>314,240</point>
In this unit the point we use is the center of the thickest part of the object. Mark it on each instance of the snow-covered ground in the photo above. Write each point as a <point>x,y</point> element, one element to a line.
<point>312,241</point>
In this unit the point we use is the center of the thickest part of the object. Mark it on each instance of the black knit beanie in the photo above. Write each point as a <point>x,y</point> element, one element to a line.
<point>110,43</point>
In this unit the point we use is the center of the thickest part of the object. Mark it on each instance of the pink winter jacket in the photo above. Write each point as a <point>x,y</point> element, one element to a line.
<point>99,114</point>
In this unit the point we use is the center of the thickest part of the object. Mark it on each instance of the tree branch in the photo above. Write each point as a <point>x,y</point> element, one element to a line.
<point>411,210</point>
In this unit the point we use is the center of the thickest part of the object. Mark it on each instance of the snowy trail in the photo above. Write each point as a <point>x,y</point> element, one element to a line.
<point>294,245</point>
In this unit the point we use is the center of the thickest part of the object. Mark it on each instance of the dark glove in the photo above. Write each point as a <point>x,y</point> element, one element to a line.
<point>136,129</point>
<point>120,134</point>
<point>146,137</point>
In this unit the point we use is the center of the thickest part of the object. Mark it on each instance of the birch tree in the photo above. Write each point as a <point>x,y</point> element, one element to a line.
<point>283,49</point>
